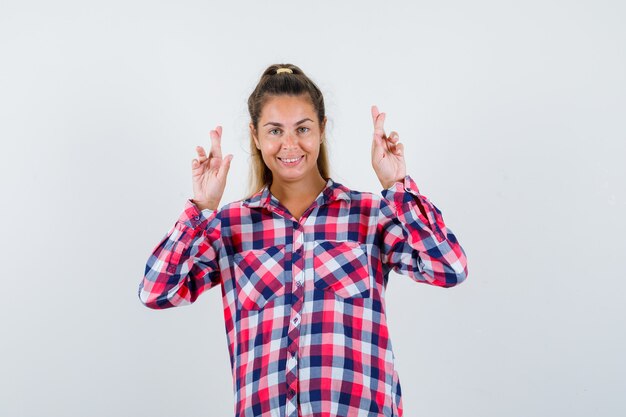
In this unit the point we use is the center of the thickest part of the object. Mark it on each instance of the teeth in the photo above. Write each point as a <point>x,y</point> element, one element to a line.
<point>289,160</point>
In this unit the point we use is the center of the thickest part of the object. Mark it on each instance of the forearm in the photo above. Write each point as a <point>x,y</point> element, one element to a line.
<point>416,240</point>
<point>184,263</point>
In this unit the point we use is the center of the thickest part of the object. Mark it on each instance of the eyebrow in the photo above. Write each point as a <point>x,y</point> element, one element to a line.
<point>279,124</point>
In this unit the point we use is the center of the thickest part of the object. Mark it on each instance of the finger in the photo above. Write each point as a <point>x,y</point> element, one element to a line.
<point>201,153</point>
<point>392,141</point>
<point>379,125</point>
<point>216,149</point>
<point>224,166</point>
<point>378,118</point>
<point>196,167</point>
<point>399,150</point>
<point>375,114</point>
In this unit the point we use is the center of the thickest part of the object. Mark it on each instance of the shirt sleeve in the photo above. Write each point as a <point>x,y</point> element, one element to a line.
<point>415,241</point>
<point>185,262</point>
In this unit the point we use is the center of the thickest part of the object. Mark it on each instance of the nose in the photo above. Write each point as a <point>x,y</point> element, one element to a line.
<point>289,141</point>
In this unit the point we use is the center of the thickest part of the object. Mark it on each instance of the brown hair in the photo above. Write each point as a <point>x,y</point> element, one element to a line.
<point>273,84</point>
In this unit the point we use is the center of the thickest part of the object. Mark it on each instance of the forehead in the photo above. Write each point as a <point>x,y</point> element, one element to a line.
<point>287,109</point>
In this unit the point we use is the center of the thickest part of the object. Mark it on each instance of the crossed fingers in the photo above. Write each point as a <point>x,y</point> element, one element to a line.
<point>379,131</point>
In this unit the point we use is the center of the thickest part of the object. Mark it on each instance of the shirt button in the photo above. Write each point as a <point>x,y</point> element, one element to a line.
<point>299,251</point>
<point>298,283</point>
<point>171,268</point>
<point>292,392</point>
<point>296,320</point>
<point>197,217</point>
<point>296,225</point>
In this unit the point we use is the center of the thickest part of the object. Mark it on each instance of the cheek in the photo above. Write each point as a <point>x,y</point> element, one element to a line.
<point>313,148</point>
<point>269,153</point>
<point>268,149</point>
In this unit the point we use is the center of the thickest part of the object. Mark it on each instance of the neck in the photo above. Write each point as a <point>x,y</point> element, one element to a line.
<point>302,190</point>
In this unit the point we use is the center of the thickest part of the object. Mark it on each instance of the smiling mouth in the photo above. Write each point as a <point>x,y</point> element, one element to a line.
<point>291,161</point>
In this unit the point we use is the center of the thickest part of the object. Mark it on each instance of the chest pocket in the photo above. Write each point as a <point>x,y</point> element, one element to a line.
<point>342,268</point>
<point>259,276</point>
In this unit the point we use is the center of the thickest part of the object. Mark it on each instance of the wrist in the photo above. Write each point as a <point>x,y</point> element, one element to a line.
<point>390,184</point>
<point>202,205</point>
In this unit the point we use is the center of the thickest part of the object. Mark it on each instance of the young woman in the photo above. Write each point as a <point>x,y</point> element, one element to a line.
<point>303,261</point>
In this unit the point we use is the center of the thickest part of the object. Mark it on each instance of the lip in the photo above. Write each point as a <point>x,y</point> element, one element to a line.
<point>290,164</point>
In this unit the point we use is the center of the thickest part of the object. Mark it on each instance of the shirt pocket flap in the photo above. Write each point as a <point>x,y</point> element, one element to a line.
<point>259,276</point>
<point>342,268</point>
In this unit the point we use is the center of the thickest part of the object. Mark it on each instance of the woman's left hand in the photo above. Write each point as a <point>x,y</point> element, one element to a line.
<point>387,153</point>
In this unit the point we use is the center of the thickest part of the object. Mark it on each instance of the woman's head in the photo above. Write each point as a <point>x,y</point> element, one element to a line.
<point>291,97</point>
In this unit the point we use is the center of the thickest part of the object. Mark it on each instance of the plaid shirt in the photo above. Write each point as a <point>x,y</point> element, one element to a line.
<point>304,300</point>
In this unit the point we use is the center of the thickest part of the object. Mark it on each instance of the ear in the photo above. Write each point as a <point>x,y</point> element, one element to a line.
<point>254,136</point>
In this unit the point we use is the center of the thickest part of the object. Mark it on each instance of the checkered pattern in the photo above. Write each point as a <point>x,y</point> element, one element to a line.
<point>304,300</point>
<point>342,268</point>
<point>259,276</point>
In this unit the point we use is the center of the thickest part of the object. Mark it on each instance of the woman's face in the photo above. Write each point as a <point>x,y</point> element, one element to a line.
<point>289,138</point>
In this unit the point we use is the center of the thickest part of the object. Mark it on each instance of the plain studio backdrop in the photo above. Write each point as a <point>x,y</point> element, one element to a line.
<point>512,116</point>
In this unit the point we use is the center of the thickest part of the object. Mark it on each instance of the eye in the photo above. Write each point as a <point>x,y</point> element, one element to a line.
<point>307,129</point>
<point>273,130</point>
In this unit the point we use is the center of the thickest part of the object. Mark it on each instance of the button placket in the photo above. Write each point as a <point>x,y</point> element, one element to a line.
<point>295,318</point>
<point>299,250</point>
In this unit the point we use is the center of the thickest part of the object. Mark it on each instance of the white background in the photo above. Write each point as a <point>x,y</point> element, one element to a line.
<point>512,115</point>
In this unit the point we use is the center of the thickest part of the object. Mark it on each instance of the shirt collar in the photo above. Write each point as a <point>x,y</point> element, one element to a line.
<point>332,191</point>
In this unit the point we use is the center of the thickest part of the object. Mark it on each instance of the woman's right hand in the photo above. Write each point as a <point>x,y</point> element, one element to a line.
<point>209,173</point>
